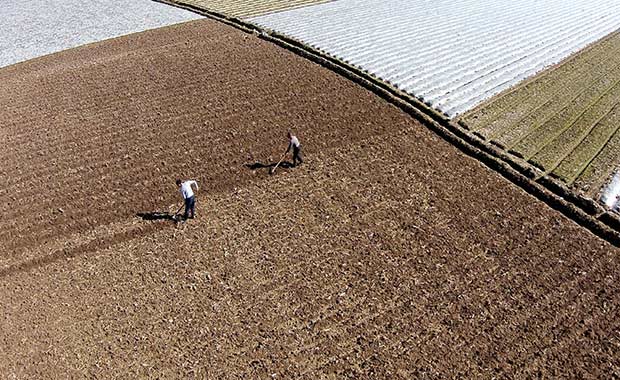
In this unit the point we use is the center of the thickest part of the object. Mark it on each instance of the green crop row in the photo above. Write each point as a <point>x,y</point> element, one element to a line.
<point>515,104</point>
<point>552,153</point>
<point>510,134</point>
<point>600,169</point>
<point>575,109</point>
<point>585,153</point>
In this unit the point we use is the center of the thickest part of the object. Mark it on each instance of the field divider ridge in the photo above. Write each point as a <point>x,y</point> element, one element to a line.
<point>584,211</point>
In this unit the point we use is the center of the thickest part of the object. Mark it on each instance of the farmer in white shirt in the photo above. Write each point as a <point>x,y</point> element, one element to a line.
<point>188,197</point>
<point>293,142</point>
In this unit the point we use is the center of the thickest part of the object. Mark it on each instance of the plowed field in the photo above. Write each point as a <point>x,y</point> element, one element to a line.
<point>388,254</point>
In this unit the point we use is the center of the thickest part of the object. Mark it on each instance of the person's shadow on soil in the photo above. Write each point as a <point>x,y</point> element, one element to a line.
<point>260,165</point>
<point>156,215</point>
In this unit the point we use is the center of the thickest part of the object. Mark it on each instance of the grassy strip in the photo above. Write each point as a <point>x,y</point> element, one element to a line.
<point>562,120</point>
<point>553,153</point>
<point>576,162</point>
<point>508,108</point>
<point>510,134</point>
<point>601,168</point>
<point>543,99</point>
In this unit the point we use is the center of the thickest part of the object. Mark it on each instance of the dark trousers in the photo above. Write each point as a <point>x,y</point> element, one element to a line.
<point>297,155</point>
<point>190,203</point>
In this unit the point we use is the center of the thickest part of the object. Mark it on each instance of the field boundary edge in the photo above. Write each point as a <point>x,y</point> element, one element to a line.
<point>584,211</point>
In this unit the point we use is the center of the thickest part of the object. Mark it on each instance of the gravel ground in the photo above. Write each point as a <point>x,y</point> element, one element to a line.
<point>34,28</point>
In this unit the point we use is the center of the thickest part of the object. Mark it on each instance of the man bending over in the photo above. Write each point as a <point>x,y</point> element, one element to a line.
<point>188,197</point>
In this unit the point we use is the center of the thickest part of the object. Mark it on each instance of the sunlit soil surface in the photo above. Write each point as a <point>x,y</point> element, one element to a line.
<point>387,254</point>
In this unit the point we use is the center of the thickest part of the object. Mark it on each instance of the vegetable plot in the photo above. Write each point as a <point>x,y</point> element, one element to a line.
<point>566,120</point>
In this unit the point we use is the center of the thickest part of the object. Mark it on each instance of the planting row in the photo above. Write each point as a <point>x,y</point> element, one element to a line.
<point>452,56</point>
<point>565,121</point>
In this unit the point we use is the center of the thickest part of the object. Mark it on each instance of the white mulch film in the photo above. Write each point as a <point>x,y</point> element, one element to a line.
<point>611,194</point>
<point>33,28</point>
<point>452,54</point>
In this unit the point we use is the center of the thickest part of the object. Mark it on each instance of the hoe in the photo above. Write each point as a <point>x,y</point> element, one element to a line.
<point>176,214</point>
<point>273,170</point>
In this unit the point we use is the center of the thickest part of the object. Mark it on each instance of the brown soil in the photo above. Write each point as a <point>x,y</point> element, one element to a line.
<point>388,254</point>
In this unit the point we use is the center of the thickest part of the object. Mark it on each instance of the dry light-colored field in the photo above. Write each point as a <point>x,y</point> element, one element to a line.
<point>387,254</point>
<point>248,8</point>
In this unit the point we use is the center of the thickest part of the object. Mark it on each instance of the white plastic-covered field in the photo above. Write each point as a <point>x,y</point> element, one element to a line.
<point>451,54</point>
<point>611,193</point>
<point>33,28</point>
